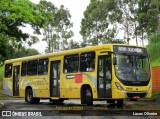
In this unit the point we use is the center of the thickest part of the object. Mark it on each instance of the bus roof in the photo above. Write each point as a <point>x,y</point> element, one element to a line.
<point>108,47</point>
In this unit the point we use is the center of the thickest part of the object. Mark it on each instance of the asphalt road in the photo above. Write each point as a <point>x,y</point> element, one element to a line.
<point>72,109</point>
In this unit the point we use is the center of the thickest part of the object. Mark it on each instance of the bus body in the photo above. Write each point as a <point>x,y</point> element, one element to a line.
<point>81,74</point>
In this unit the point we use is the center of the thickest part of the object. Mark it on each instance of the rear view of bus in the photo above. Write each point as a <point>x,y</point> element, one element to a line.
<point>132,73</point>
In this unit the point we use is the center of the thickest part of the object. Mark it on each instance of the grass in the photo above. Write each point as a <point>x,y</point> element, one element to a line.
<point>1,77</point>
<point>155,62</point>
<point>1,71</point>
<point>156,96</point>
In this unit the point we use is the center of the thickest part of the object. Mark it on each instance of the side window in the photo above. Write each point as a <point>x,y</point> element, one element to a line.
<point>43,66</point>
<point>8,70</point>
<point>24,68</point>
<point>71,63</point>
<point>87,61</point>
<point>32,67</point>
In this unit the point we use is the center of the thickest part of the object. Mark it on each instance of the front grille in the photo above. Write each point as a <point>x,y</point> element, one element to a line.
<point>131,95</point>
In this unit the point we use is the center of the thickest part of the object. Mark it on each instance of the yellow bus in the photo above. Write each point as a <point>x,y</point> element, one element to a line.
<point>111,72</point>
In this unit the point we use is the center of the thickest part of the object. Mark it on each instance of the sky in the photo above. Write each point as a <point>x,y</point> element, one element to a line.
<point>76,8</point>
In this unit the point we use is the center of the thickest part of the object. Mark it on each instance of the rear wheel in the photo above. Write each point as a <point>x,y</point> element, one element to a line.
<point>86,96</point>
<point>29,97</point>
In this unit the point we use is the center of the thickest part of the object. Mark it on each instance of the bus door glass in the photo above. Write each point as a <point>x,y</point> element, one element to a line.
<point>104,76</point>
<point>16,80</point>
<point>55,79</point>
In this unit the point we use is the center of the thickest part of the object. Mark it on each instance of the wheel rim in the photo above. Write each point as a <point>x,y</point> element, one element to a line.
<point>29,96</point>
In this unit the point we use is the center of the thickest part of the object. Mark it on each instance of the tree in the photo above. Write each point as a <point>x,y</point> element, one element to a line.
<point>148,17</point>
<point>129,20</point>
<point>14,50</point>
<point>48,27</point>
<point>15,14</point>
<point>57,27</point>
<point>100,18</point>
<point>104,19</point>
<point>73,44</point>
<point>63,25</point>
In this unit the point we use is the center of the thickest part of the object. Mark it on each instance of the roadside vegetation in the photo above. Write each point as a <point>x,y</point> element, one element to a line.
<point>153,49</point>
<point>2,96</point>
<point>156,96</point>
<point>155,62</point>
<point>1,77</point>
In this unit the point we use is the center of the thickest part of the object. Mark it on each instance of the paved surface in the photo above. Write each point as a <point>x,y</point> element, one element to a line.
<point>72,109</point>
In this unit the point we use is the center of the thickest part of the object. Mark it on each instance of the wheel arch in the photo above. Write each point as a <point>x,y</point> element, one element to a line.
<point>28,87</point>
<point>83,87</point>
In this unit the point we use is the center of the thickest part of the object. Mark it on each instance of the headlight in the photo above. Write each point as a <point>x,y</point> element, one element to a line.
<point>118,86</point>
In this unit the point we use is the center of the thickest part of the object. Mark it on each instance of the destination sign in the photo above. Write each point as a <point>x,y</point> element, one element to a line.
<point>129,49</point>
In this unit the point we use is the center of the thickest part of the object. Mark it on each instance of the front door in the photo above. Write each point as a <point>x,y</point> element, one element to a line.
<point>16,80</point>
<point>104,76</point>
<point>55,78</point>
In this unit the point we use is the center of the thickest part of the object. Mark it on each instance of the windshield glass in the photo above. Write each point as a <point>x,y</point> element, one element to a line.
<point>132,68</point>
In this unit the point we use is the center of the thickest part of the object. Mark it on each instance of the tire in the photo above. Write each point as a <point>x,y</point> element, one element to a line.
<point>132,99</point>
<point>29,97</point>
<point>83,100</point>
<point>86,96</point>
<point>111,103</point>
<point>120,103</point>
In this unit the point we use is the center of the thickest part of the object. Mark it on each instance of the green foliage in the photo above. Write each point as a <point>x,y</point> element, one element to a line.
<point>139,19</point>
<point>97,17</point>
<point>1,72</point>
<point>148,16</point>
<point>153,49</point>
<point>155,62</point>
<point>103,20</point>
<point>73,45</point>
<point>57,27</point>
<point>16,50</point>
<point>156,96</point>
<point>16,14</point>
<point>20,51</point>
<point>1,77</point>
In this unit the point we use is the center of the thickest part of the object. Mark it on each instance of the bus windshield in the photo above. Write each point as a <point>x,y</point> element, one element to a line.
<point>132,67</point>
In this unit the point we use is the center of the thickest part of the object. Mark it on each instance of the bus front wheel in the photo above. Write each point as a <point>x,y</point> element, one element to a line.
<point>120,103</point>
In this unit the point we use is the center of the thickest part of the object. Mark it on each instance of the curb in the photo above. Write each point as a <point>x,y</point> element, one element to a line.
<point>2,105</point>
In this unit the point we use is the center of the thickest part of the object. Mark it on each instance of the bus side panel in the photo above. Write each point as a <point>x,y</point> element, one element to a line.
<point>7,86</point>
<point>39,85</point>
<point>71,88</point>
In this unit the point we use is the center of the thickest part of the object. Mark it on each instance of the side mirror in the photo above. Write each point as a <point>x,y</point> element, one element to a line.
<point>114,61</point>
